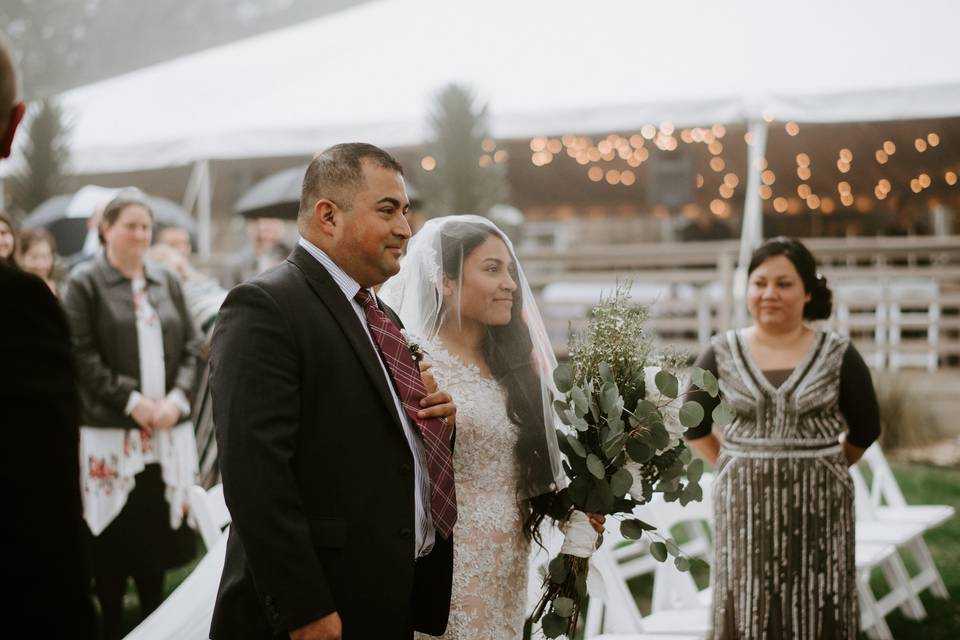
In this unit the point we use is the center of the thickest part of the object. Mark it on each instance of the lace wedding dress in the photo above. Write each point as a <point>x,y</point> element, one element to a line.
<point>490,551</point>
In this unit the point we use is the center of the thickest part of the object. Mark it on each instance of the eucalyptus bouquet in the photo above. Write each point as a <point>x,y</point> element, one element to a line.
<point>623,418</point>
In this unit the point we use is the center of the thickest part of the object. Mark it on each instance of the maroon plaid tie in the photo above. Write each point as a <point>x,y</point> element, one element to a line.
<point>409,386</point>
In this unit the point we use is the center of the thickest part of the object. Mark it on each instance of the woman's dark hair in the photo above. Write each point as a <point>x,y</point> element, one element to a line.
<point>111,213</point>
<point>508,351</point>
<point>821,298</point>
<point>31,237</point>
<point>10,260</point>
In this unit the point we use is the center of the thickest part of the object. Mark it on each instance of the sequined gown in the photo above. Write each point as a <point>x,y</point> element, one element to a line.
<point>783,499</point>
<point>490,551</point>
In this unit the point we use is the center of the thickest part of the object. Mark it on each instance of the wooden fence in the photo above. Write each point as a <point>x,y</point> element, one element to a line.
<point>898,298</point>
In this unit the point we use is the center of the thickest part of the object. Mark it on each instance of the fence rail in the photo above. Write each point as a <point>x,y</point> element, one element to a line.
<point>898,298</point>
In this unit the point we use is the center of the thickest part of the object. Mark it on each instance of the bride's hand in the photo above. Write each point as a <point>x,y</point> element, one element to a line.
<point>428,380</point>
<point>596,521</point>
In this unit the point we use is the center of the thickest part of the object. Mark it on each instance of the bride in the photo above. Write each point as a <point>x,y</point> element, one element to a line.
<point>463,298</point>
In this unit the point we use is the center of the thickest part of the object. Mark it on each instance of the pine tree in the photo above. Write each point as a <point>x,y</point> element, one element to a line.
<point>460,183</point>
<point>44,156</point>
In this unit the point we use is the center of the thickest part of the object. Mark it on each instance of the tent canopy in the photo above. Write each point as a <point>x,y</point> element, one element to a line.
<point>543,67</point>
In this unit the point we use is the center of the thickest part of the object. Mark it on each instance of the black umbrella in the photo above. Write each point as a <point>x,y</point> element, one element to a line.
<point>69,228</point>
<point>278,196</point>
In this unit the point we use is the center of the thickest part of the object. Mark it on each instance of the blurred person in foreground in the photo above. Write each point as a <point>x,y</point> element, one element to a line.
<point>265,248</point>
<point>39,410</point>
<point>37,254</point>
<point>136,349</point>
<point>8,240</point>
<point>784,563</point>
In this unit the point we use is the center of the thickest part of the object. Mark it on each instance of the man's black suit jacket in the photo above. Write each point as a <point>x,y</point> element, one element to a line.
<point>317,473</point>
<point>49,582</point>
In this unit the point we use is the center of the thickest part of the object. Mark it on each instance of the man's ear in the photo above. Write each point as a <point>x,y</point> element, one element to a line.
<point>327,217</point>
<point>6,137</point>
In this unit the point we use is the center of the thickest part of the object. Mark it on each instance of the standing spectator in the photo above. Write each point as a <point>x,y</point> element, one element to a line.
<point>37,254</point>
<point>135,345</point>
<point>8,240</point>
<point>47,582</point>
<point>176,237</point>
<point>265,237</point>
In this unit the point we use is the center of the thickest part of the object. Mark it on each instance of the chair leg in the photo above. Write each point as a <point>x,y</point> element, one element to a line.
<point>871,620</point>
<point>899,581</point>
<point>921,553</point>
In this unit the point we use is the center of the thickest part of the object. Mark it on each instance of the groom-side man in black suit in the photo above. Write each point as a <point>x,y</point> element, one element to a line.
<point>324,471</point>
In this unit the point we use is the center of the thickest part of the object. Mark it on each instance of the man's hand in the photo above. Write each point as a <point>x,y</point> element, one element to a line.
<point>436,404</point>
<point>326,628</point>
<point>143,414</point>
<point>596,521</point>
<point>167,415</point>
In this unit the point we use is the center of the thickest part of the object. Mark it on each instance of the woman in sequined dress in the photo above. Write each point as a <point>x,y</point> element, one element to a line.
<point>783,500</point>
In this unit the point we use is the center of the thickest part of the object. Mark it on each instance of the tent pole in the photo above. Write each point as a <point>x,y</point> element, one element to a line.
<point>204,210</point>
<point>751,231</point>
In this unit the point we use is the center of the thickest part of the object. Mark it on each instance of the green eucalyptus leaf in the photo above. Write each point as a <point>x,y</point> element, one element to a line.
<point>553,625</point>
<point>595,466</point>
<point>609,395</point>
<point>667,383</point>
<point>606,372</point>
<point>645,408</point>
<point>710,384</point>
<point>659,551</point>
<point>620,482</point>
<point>600,498</point>
<point>659,436</point>
<point>580,402</point>
<point>638,451</point>
<point>682,563</point>
<point>578,423</point>
<point>695,470</point>
<point>563,377</point>
<point>698,564</point>
<point>691,414</point>
<point>672,547</point>
<point>685,456</point>
<point>696,376</point>
<point>576,446</point>
<point>723,414</point>
<point>563,607</point>
<point>579,491</point>
<point>558,570</point>
<point>562,409</point>
<point>615,424</point>
<point>580,585</point>
<point>614,445</point>
<point>631,529</point>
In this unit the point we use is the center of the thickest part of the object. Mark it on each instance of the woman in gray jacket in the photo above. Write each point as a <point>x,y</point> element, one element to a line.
<point>136,347</point>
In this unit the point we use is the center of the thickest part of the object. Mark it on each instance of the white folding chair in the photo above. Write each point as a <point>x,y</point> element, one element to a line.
<point>210,513</point>
<point>887,500</point>
<point>905,536</point>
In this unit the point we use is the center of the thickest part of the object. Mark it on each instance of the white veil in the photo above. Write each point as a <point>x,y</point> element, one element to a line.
<point>519,354</point>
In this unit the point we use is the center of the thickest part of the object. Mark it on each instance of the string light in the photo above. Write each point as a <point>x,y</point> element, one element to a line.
<point>951,178</point>
<point>804,191</point>
<point>843,166</point>
<point>780,205</point>
<point>613,176</point>
<point>847,199</point>
<point>731,180</point>
<point>715,147</point>
<point>889,148</point>
<point>881,156</point>
<point>699,181</point>
<point>843,187</point>
<point>627,177</point>
<point>924,180</point>
<point>803,173</point>
<point>915,186</point>
<point>765,192</point>
<point>666,128</point>
<point>827,205</point>
<point>717,164</point>
<point>767,117</point>
<point>428,163</point>
<point>485,161</point>
<point>768,177</point>
<point>595,174</point>
<point>488,145</point>
<point>501,155</point>
<point>792,128</point>
<point>686,136</point>
<point>933,139</point>
<point>813,201</point>
<point>920,145</point>
<point>538,144</point>
<point>554,146</point>
<point>725,191</point>
<point>636,141</point>
<point>846,155</point>
<point>648,131</point>
<point>803,160</point>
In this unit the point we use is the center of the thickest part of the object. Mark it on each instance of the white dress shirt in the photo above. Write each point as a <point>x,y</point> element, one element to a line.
<point>425,532</point>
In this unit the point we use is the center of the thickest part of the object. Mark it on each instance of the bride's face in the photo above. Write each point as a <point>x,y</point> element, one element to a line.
<point>488,284</point>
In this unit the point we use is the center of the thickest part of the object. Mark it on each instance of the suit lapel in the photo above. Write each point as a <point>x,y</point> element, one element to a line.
<point>331,295</point>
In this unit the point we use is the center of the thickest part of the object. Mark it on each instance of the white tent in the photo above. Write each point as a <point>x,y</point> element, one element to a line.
<point>544,67</point>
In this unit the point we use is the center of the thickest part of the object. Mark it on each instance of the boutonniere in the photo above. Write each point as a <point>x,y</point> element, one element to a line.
<point>416,351</point>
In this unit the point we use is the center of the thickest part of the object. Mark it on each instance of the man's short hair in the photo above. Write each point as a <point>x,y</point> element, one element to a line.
<point>337,174</point>
<point>9,87</point>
